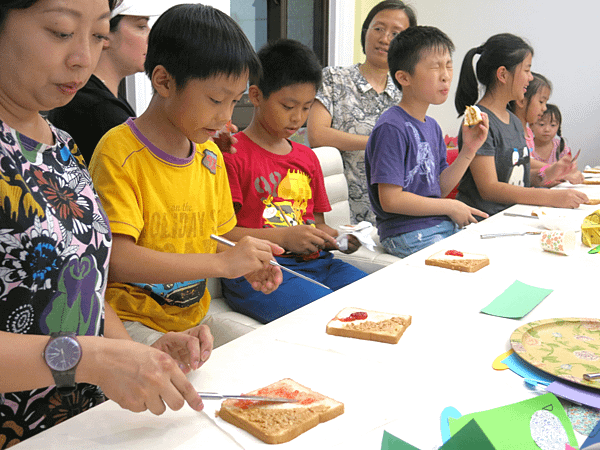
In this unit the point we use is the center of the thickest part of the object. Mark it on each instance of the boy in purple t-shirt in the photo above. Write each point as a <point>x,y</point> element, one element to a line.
<point>407,173</point>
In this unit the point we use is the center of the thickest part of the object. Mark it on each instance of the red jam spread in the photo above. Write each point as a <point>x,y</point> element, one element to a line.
<point>280,391</point>
<point>454,253</point>
<point>359,315</point>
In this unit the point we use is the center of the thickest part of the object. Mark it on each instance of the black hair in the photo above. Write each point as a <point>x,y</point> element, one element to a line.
<point>286,62</point>
<point>503,49</point>
<point>8,5</point>
<point>408,47</point>
<point>539,81</point>
<point>114,22</point>
<point>381,6</point>
<point>553,113</point>
<point>195,41</point>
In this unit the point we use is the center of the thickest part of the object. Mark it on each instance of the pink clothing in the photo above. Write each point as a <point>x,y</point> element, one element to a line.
<point>552,158</point>
<point>275,190</point>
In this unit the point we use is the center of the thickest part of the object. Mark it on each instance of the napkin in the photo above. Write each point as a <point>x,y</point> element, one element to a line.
<point>516,301</point>
<point>361,231</point>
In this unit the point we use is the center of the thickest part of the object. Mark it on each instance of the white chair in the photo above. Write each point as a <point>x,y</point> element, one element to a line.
<point>337,192</point>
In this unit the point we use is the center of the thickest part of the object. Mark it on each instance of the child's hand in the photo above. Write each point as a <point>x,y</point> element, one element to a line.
<point>224,140</point>
<point>353,245</point>
<point>307,239</point>
<point>248,255</point>
<point>575,177</point>
<point>265,280</point>
<point>190,348</point>
<point>560,169</point>
<point>567,198</point>
<point>474,137</point>
<point>461,213</point>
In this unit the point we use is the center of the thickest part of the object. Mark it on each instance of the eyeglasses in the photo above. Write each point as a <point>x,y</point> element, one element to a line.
<point>381,31</point>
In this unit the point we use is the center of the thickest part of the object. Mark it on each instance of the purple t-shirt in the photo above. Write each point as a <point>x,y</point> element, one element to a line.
<point>405,152</point>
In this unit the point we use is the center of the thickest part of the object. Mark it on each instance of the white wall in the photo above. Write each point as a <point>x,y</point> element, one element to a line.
<point>565,37</point>
<point>139,89</point>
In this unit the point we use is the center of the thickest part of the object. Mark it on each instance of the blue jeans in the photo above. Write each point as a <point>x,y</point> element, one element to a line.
<point>294,292</point>
<point>406,244</point>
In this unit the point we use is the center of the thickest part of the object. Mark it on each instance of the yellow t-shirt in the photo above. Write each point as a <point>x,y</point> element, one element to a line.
<point>167,204</point>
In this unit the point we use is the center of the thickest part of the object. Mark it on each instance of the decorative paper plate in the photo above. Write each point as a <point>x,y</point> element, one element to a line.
<point>566,348</point>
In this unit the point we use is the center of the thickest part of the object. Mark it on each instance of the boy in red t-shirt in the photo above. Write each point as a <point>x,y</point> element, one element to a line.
<point>278,189</point>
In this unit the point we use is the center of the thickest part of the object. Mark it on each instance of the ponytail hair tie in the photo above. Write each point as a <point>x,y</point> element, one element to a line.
<point>479,50</point>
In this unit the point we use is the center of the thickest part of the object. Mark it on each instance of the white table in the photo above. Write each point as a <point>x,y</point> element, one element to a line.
<point>444,358</point>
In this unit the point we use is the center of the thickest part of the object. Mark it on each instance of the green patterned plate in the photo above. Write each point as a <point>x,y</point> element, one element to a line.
<point>566,348</point>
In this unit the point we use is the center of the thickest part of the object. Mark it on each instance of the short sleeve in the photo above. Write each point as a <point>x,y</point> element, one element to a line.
<point>226,214</point>
<point>119,193</point>
<point>325,94</point>
<point>387,155</point>
<point>232,165</point>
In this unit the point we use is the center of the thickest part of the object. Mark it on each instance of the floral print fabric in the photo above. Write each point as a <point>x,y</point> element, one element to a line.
<point>54,250</point>
<point>355,106</point>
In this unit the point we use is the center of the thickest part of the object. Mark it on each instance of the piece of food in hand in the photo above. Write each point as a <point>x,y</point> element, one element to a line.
<point>456,260</point>
<point>473,115</point>
<point>276,423</point>
<point>369,325</point>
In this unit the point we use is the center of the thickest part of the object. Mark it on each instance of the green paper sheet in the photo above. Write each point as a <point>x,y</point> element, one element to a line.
<point>391,442</point>
<point>469,437</point>
<point>509,426</point>
<point>516,301</point>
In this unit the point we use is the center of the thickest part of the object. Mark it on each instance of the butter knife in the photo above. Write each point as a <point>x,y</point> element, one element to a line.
<point>254,398</point>
<point>227,242</point>
<point>510,233</point>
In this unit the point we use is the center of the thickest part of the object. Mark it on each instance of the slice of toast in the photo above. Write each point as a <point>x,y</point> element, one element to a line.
<point>369,325</point>
<point>593,201</point>
<point>472,116</point>
<point>451,259</point>
<point>276,423</point>
<point>592,181</point>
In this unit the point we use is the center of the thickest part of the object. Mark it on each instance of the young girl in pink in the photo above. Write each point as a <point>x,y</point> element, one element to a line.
<point>549,145</point>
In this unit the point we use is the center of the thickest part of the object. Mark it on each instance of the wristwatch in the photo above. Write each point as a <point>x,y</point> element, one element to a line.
<point>62,354</point>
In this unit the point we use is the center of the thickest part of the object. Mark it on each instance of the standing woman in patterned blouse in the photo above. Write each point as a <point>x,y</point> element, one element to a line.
<point>352,99</point>
<point>55,241</point>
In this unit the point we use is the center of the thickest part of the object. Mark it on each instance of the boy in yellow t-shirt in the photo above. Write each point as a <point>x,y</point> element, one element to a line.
<point>164,185</point>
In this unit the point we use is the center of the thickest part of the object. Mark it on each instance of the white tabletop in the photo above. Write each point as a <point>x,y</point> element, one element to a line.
<point>444,358</point>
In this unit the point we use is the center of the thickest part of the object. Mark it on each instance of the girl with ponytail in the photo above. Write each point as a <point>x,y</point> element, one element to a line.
<point>500,173</point>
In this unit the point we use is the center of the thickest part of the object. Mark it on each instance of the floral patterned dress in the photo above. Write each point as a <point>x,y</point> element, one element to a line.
<point>54,249</point>
<point>355,107</point>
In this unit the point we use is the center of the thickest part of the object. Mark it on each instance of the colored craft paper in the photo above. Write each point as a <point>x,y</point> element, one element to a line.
<point>568,447</point>
<point>547,431</point>
<point>509,426</point>
<point>516,301</point>
<point>498,363</point>
<point>469,437</point>
<point>448,412</point>
<point>593,438</point>
<point>516,364</point>
<point>582,418</point>
<point>578,395</point>
<point>391,442</point>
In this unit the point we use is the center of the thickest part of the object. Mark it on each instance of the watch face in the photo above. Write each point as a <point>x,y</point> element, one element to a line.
<point>63,353</point>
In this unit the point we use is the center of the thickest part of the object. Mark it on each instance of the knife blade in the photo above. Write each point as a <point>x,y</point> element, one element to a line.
<point>520,215</point>
<point>257,398</point>
<point>227,242</point>
<point>510,233</point>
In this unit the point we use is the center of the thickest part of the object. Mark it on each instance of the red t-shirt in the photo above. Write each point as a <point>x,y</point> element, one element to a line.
<point>275,190</point>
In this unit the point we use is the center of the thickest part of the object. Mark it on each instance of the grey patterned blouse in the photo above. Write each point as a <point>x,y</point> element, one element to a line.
<point>355,106</point>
